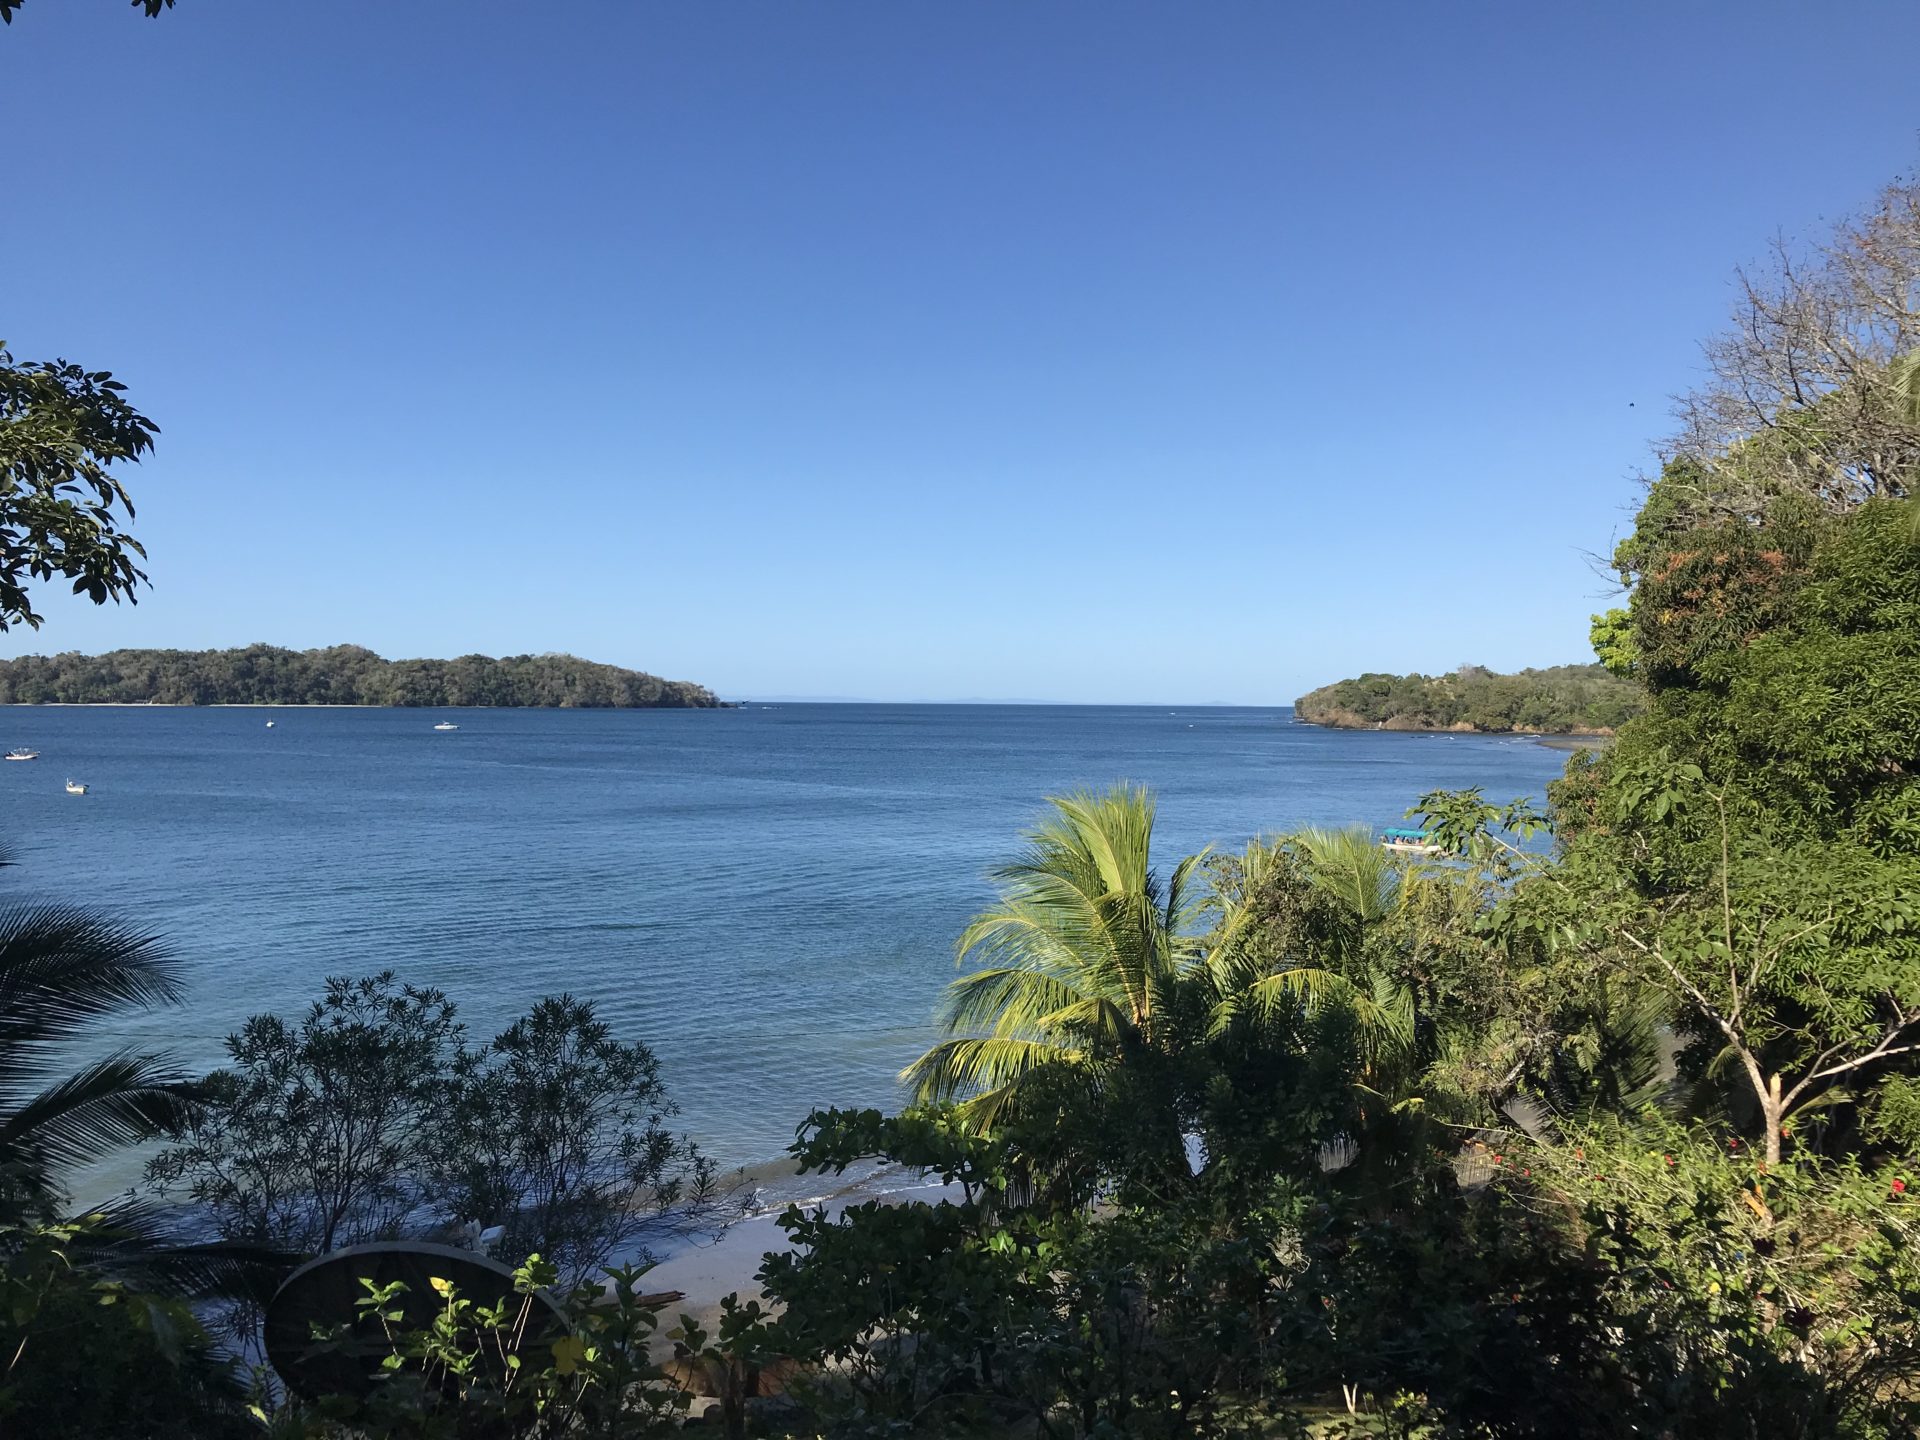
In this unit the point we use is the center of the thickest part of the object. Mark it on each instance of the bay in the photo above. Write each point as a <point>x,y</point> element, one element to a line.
<point>767,896</point>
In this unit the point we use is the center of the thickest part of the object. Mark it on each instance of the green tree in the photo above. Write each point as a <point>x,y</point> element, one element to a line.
<point>559,1133</point>
<point>62,506</point>
<point>1559,699</point>
<point>1086,948</point>
<point>321,1134</point>
<point>1299,925</point>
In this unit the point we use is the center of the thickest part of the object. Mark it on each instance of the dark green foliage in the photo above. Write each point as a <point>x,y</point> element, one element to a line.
<point>558,1132</point>
<point>458,1366</point>
<point>371,1119</point>
<point>1557,700</point>
<point>317,1134</point>
<point>64,971</point>
<point>62,430</point>
<point>1748,846</point>
<point>978,1310</point>
<point>1463,1300</point>
<point>98,1334</point>
<point>152,8</point>
<point>83,1357</point>
<point>340,675</point>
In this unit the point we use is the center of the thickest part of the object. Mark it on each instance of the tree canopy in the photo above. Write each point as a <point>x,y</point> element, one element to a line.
<point>338,675</point>
<point>62,505</point>
<point>1559,700</point>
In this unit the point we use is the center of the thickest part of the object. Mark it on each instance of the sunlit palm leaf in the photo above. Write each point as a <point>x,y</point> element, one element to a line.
<point>1081,953</point>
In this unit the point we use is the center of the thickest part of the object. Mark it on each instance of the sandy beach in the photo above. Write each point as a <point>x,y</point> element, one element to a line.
<point>708,1268</point>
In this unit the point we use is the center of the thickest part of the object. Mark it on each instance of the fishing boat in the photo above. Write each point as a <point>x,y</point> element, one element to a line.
<point>1409,842</point>
<point>74,788</point>
<point>23,754</point>
<point>446,725</point>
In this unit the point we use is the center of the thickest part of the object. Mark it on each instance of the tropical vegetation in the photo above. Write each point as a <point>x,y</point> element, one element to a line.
<point>1559,700</point>
<point>63,506</point>
<point>1602,1119</point>
<point>337,675</point>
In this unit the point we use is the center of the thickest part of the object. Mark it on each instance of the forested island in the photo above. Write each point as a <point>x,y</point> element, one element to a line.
<point>337,675</point>
<point>1558,700</point>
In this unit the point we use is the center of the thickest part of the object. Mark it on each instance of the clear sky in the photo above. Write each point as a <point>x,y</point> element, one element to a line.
<point>1080,351</point>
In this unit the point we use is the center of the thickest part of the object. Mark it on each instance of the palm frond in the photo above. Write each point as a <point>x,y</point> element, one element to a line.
<point>1300,989</point>
<point>1352,868</point>
<point>980,1064</point>
<point>121,1100</point>
<point>1905,373</point>
<point>1083,949</point>
<point>1186,904</point>
<point>64,966</point>
<point>145,1247</point>
<point>1007,998</point>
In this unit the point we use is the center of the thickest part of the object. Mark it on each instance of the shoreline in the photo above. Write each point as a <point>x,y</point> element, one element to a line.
<point>1557,740</point>
<point>707,1267</point>
<point>1574,742</point>
<point>321,705</point>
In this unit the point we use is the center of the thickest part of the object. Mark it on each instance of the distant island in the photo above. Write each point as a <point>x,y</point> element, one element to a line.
<point>1559,700</point>
<point>338,675</point>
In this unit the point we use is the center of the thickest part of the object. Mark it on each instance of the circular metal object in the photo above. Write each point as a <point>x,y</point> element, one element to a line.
<point>328,1291</point>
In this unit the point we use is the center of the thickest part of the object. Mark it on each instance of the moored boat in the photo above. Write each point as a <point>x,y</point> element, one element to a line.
<point>75,788</point>
<point>23,754</point>
<point>446,725</point>
<point>1404,841</point>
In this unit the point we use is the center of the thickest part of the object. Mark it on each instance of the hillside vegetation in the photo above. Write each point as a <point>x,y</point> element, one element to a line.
<point>338,675</point>
<point>1559,700</point>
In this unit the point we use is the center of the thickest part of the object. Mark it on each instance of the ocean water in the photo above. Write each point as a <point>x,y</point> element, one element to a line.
<point>767,896</point>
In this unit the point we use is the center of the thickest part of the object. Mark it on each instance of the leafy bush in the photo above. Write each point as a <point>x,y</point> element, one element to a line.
<point>372,1118</point>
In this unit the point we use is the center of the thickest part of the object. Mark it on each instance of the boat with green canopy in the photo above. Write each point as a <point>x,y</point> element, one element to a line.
<point>1406,841</point>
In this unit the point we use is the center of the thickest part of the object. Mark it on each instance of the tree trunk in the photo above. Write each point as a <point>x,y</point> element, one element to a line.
<point>1770,1108</point>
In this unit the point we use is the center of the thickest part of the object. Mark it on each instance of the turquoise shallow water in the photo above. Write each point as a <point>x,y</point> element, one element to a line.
<point>767,896</point>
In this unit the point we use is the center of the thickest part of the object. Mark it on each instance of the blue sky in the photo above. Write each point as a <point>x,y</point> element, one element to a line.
<point>1075,351</point>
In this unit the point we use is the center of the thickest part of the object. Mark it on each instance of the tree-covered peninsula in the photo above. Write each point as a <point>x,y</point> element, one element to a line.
<point>337,675</point>
<point>1559,700</point>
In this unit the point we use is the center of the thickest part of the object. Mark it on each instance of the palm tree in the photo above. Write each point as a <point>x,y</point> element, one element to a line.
<point>61,970</point>
<point>1905,374</point>
<point>1350,887</point>
<point>1084,953</point>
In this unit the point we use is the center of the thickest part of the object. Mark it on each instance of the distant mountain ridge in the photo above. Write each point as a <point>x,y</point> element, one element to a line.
<point>1558,700</point>
<point>337,675</point>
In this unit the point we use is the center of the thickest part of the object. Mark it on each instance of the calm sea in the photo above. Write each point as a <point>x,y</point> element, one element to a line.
<point>766,896</point>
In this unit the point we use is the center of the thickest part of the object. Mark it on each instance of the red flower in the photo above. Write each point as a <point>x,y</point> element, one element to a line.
<point>1899,1187</point>
<point>1669,1160</point>
<point>1499,1159</point>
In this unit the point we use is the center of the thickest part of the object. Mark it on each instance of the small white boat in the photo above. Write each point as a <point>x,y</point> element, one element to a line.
<point>74,789</point>
<point>23,754</point>
<point>269,724</point>
<point>446,725</point>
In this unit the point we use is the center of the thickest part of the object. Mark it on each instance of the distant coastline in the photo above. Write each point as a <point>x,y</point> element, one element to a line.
<point>1563,700</point>
<point>341,676</point>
